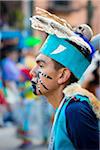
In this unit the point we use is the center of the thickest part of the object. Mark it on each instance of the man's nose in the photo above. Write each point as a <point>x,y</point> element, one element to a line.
<point>33,73</point>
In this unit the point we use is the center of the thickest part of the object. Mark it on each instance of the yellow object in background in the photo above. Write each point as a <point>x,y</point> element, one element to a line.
<point>28,91</point>
<point>29,62</point>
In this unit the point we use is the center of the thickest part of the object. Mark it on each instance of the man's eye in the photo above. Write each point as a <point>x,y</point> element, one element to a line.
<point>41,66</point>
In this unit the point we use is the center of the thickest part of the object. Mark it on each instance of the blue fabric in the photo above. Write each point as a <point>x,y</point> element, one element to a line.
<point>76,126</point>
<point>10,71</point>
<point>82,125</point>
<point>11,35</point>
<point>66,54</point>
<point>62,140</point>
<point>87,41</point>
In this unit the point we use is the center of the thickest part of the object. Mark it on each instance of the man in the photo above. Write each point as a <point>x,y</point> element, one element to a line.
<point>60,63</point>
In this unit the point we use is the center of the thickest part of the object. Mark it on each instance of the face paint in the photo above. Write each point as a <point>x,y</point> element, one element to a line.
<point>34,83</point>
<point>41,82</point>
<point>45,75</point>
<point>34,87</point>
<point>39,90</point>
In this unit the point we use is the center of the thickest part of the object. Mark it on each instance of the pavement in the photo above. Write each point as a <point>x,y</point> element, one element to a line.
<point>8,140</point>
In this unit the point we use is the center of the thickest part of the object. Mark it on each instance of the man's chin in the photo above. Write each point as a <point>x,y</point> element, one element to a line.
<point>35,90</point>
<point>35,93</point>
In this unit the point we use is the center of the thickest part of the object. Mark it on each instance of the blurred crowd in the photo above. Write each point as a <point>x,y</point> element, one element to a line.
<point>31,115</point>
<point>91,81</point>
<point>91,77</point>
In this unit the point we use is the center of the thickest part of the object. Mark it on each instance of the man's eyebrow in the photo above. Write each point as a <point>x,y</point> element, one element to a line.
<point>40,60</point>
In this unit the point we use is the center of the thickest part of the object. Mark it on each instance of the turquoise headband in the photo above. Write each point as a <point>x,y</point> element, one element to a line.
<point>66,54</point>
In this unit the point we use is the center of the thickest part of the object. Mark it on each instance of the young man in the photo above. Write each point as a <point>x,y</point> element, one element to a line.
<point>60,63</point>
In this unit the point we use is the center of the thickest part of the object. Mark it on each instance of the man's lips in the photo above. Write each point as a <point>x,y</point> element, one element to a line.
<point>34,86</point>
<point>33,83</point>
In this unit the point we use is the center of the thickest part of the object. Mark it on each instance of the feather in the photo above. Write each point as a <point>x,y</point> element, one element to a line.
<point>81,42</point>
<point>52,24</point>
<point>47,14</point>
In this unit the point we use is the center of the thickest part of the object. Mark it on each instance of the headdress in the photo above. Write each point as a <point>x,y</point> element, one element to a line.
<point>68,46</point>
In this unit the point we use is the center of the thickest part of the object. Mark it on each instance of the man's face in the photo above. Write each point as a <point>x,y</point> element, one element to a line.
<point>44,76</point>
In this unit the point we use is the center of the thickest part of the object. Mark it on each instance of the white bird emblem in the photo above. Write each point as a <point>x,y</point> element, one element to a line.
<point>59,49</point>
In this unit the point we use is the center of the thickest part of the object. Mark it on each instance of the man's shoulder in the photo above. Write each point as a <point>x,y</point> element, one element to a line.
<point>78,100</point>
<point>79,106</point>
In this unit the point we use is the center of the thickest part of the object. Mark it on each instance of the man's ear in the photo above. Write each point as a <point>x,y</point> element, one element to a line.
<point>64,75</point>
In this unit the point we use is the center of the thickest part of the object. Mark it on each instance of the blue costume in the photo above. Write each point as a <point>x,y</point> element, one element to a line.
<point>77,132</point>
<point>72,120</point>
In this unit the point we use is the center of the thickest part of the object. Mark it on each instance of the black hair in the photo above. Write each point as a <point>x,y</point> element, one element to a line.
<point>7,50</point>
<point>72,78</point>
<point>82,49</point>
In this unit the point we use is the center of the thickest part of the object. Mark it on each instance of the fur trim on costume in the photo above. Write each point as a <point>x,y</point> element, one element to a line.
<point>75,88</point>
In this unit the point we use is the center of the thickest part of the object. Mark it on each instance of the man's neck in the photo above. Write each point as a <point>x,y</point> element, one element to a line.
<point>55,98</point>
